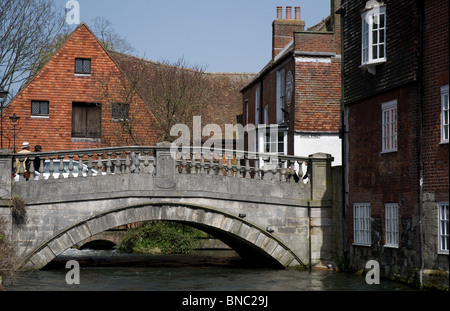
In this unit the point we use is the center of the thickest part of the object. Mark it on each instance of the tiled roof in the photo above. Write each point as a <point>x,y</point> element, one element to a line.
<point>226,106</point>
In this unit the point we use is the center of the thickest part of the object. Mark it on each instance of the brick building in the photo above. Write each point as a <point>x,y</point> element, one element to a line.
<point>299,90</point>
<point>65,107</point>
<point>395,97</point>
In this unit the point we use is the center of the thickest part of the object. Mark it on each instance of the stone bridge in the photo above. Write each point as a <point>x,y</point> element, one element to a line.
<point>250,201</point>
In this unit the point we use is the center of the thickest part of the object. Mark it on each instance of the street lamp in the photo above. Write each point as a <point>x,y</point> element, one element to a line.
<point>3,95</point>
<point>14,122</point>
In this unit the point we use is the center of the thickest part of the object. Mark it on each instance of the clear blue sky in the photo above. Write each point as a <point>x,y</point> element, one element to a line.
<point>222,35</point>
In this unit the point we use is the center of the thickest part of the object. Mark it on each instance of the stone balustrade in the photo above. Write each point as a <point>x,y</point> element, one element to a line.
<point>150,160</point>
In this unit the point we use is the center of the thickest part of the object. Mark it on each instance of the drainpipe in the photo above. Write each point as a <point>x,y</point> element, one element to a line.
<point>343,135</point>
<point>421,164</point>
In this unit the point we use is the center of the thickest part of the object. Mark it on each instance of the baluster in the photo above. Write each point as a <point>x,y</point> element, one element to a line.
<point>300,171</point>
<point>183,162</point>
<point>108,163</point>
<point>89,165</point>
<point>70,165</point>
<point>61,166</point>
<point>80,166</point>
<point>202,163</point>
<point>239,171</point>
<point>127,162</point>
<point>229,168</point>
<point>265,169</point>
<point>99,163</point>
<point>41,168</point>
<point>283,171</point>
<point>21,169</point>
<point>146,163</point>
<point>290,171</point>
<point>247,167</point>
<point>221,166</point>
<point>137,162</point>
<point>51,168</point>
<point>274,164</point>
<point>256,168</point>
<point>118,164</point>
<point>31,170</point>
<point>212,168</point>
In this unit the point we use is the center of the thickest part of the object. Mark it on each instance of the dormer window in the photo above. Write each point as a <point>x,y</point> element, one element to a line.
<point>373,50</point>
<point>82,66</point>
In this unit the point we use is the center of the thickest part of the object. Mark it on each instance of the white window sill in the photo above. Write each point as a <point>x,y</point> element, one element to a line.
<point>445,142</point>
<point>371,66</point>
<point>361,244</point>
<point>443,253</point>
<point>390,246</point>
<point>82,75</point>
<point>85,140</point>
<point>39,117</point>
<point>388,151</point>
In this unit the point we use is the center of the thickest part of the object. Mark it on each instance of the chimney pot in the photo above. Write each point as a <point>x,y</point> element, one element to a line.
<point>279,13</point>
<point>288,12</point>
<point>297,13</point>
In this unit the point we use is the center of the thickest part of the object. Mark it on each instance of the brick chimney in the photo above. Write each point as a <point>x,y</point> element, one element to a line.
<point>283,29</point>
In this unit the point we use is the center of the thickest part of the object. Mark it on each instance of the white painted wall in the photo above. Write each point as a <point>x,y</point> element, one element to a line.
<point>307,144</point>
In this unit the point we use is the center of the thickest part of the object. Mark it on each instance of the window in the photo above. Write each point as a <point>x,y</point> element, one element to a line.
<point>391,217</point>
<point>389,120</point>
<point>443,227</point>
<point>361,223</point>
<point>86,120</point>
<point>120,111</point>
<point>373,34</point>
<point>39,108</point>
<point>246,111</point>
<point>280,95</point>
<point>444,114</point>
<point>82,66</point>
<point>273,141</point>
<point>257,107</point>
<point>266,114</point>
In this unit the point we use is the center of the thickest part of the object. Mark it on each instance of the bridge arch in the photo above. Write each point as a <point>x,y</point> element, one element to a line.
<point>246,238</point>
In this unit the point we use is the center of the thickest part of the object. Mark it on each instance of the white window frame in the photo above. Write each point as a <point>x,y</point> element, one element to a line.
<point>443,228</point>
<point>391,225</point>
<point>389,123</point>
<point>362,224</point>
<point>444,115</point>
<point>280,95</point>
<point>373,36</point>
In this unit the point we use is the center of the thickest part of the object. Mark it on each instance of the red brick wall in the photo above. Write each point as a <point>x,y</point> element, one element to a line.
<point>58,84</point>
<point>436,74</point>
<point>317,96</point>
<point>389,177</point>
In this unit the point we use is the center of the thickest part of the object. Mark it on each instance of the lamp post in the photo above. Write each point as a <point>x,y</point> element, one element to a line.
<point>14,122</point>
<point>3,95</point>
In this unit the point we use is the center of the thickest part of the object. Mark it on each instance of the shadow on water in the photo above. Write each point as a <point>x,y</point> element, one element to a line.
<point>113,258</point>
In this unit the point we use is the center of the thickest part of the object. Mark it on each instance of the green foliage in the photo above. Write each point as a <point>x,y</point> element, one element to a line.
<point>167,237</point>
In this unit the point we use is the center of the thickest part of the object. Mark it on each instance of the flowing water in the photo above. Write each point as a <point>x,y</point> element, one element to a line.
<point>200,271</point>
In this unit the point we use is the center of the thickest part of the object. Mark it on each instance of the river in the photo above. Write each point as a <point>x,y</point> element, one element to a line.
<point>108,270</point>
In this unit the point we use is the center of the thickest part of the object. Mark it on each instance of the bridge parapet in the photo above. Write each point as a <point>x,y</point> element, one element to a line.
<point>160,161</point>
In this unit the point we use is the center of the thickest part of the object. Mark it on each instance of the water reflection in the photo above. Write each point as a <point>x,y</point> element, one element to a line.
<point>202,271</point>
